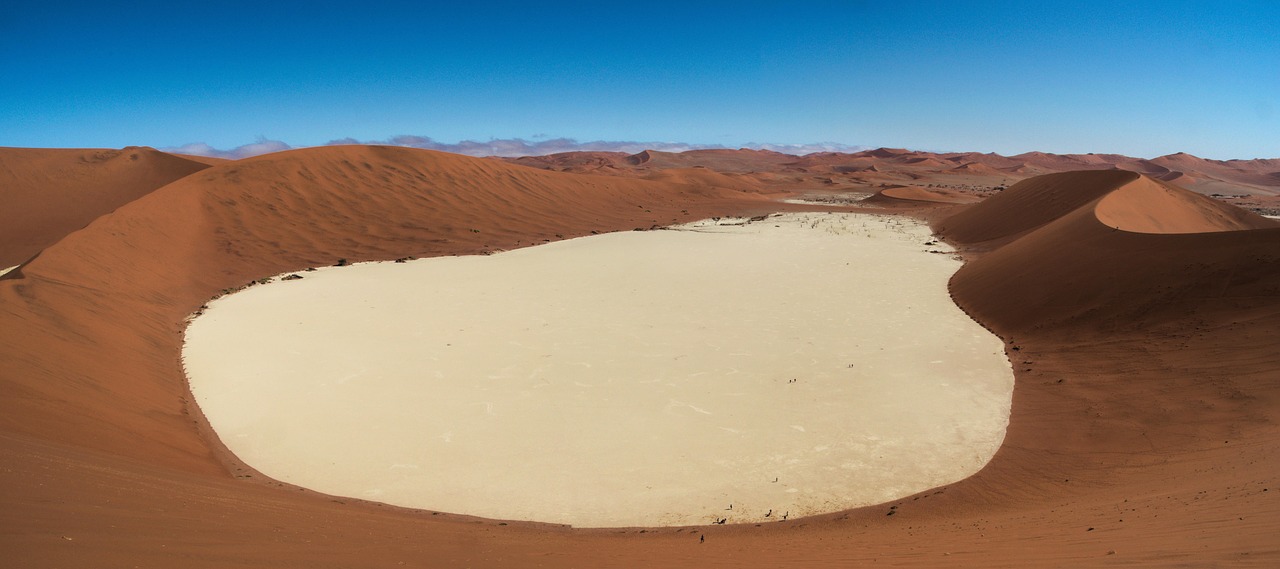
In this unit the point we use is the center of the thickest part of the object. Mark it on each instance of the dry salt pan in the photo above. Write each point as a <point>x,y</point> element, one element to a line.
<point>790,366</point>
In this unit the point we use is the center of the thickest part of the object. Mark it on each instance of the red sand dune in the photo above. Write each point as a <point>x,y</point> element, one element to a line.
<point>1144,430</point>
<point>1151,206</point>
<point>990,159</point>
<point>739,161</point>
<point>976,168</point>
<point>699,179</point>
<point>46,194</point>
<point>982,172</point>
<point>575,161</point>
<point>206,160</point>
<point>1176,177</point>
<point>927,162</point>
<point>887,152</point>
<point>917,194</point>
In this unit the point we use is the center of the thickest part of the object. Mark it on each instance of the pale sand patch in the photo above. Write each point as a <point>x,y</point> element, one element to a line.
<point>841,199</point>
<point>803,364</point>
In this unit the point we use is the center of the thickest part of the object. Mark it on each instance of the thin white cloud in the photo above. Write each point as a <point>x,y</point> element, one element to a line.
<point>262,146</point>
<point>512,147</point>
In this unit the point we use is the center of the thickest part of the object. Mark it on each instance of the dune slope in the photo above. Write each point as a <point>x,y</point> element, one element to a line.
<point>1142,317</point>
<point>1122,251</point>
<point>1035,202</point>
<point>48,193</point>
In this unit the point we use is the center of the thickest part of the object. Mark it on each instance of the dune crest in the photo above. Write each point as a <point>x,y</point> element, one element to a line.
<point>918,194</point>
<point>1146,205</point>
<point>47,193</point>
<point>1101,250</point>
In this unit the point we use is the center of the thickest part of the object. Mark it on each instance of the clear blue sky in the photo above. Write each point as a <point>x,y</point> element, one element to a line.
<point>1138,78</point>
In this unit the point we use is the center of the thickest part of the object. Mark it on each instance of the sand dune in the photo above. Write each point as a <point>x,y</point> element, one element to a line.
<point>1143,429</point>
<point>49,193</point>
<point>927,162</point>
<point>1150,206</point>
<point>698,179</point>
<point>575,161</point>
<point>207,160</point>
<point>970,171</point>
<point>1120,251</point>
<point>975,168</point>
<point>1034,203</point>
<point>917,194</point>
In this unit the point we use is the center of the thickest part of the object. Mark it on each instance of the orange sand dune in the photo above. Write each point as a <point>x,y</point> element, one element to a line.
<point>586,161</point>
<point>886,152</point>
<point>975,168</point>
<point>1036,201</point>
<point>1024,169</point>
<point>1145,428</point>
<point>47,193</point>
<point>1151,206</point>
<point>207,160</point>
<point>970,171</point>
<point>989,159</point>
<point>917,194</point>
<point>697,178</point>
<point>738,161</point>
<point>1121,249</point>
<point>1176,177</point>
<point>927,162</point>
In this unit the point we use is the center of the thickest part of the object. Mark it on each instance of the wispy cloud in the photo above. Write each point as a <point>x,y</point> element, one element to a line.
<point>262,146</point>
<point>511,147</point>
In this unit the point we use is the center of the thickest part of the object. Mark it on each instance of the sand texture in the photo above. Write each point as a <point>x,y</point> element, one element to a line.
<point>915,175</point>
<point>46,194</point>
<point>1142,432</point>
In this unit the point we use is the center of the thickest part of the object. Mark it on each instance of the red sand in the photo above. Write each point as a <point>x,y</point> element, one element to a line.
<point>50,193</point>
<point>871,170</point>
<point>895,195</point>
<point>1143,431</point>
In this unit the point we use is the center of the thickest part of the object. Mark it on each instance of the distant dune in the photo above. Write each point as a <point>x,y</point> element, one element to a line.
<point>897,194</point>
<point>897,166</point>
<point>977,168</point>
<point>49,193</point>
<point>1141,320</point>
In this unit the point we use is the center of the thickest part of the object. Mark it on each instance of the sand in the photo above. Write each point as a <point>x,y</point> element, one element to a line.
<point>1142,433</point>
<point>831,199</point>
<point>799,365</point>
<point>46,194</point>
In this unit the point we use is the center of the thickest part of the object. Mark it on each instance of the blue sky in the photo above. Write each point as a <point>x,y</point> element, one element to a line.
<point>1138,78</point>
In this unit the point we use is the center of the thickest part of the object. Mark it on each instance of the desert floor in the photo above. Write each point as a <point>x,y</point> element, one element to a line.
<point>734,370</point>
<point>1140,319</point>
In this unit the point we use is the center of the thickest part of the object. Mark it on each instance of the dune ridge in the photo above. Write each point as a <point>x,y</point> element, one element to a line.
<point>1114,245</point>
<point>1143,429</point>
<point>972,171</point>
<point>898,194</point>
<point>48,193</point>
